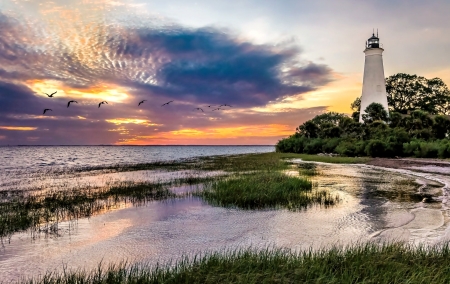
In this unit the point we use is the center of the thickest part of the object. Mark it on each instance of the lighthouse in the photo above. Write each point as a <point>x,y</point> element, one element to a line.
<point>374,85</point>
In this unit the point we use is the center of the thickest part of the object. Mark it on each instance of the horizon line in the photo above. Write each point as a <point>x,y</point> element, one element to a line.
<point>159,145</point>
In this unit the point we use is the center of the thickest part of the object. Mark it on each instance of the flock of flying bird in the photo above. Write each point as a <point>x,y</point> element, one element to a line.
<point>141,102</point>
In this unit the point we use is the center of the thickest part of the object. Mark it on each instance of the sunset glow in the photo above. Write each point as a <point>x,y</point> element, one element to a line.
<point>250,79</point>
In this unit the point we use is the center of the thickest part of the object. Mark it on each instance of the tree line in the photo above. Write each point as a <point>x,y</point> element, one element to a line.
<point>416,124</point>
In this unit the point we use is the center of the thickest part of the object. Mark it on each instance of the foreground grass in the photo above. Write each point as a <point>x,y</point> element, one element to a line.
<point>368,263</point>
<point>265,190</point>
<point>333,160</point>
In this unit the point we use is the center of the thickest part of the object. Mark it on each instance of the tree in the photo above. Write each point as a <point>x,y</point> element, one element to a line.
<point>411,92</point>
<point>308,129</point>
<point>356,105</point>
<point>324,119</point>
<point>374,112</point>
<point>441,127</point>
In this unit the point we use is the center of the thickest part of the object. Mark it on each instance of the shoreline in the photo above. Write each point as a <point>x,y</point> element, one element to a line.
<point>406,163</point>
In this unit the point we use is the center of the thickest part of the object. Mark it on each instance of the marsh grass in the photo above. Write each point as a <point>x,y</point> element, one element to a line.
<point>265,189</point>
<point>365,263</point>
<point>333,160</point>
<point>308,169</point>
<point>43,212</point>
<point>230,163</point>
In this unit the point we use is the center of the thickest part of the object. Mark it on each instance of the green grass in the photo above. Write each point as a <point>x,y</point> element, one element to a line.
<point>265,189</point>
<point>308,169</point>
<point>247,162</point>
<point>229,163</point>
<point>367,264</point>
<point>42,212</point>
<point>333,160</point>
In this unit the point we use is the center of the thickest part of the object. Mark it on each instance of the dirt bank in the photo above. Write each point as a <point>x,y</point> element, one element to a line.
<point>404,163</point>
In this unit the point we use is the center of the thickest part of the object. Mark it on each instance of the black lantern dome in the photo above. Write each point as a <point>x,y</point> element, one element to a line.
<point>373,41</point>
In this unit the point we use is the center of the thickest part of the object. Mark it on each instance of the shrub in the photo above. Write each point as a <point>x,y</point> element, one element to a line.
<point>376,148</point>
<point>346,148</point>
<point>313,146</point>
<point>444,150</point>
<point>330,145</point>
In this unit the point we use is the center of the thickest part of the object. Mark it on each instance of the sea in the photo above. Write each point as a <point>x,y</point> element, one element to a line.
<point>46,157</point>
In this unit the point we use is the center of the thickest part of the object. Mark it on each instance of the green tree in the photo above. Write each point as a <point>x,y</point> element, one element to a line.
<point>374,112</point>
<point>308,129</point>
<point>441,127</point>
<point>411,92</point>
<point>356,105</point>
<point>323,120</point>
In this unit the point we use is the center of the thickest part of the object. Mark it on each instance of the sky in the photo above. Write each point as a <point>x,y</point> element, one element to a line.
<point>275,64</point>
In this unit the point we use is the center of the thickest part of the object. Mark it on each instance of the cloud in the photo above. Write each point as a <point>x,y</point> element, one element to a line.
<point>211,66</point>
<point>123,65</point>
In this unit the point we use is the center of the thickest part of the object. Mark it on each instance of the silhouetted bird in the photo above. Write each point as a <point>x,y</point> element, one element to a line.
<point>141,102</point>
<point>216,109</point>
<point>166,103</point>
<point>51,95</point>
<point>45,110</point>
<point>68,104</point>
<point>224,105</point>
<point>210,106</point>
<point>104,102</point>
<point>198,108</point>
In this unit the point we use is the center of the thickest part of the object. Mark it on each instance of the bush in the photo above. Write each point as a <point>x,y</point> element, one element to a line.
<point>444,150</point>
<point>346,148</point>
<point>313,146</point>
<point>376,148</point>
<point>330,145</point>
<point>427,150</point>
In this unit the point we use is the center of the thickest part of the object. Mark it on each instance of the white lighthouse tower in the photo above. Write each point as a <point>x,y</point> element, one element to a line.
<point>374,85</point>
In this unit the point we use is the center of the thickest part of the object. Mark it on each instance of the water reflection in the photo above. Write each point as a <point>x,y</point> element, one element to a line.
<point>161,231</point>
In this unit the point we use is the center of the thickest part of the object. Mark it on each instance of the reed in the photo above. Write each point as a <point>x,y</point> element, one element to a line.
<point>308,169</point>
<point>42,212</point>
<point>365,263</point>
<point>265,189</point>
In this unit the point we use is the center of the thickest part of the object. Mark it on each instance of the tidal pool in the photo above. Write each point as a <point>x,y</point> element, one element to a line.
<point>369,210</point>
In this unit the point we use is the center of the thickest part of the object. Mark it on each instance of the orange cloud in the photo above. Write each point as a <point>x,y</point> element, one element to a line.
<point>18,128</point>
<point>251,133</point>
<point>119,121</point>
<point>110,93</point>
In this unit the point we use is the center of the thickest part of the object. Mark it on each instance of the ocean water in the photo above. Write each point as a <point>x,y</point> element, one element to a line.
<point>30,158</point>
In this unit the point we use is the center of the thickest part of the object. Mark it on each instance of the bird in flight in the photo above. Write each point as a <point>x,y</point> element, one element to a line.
<point>51,95</point>
<point>45,110</point>
<point>141,102</point>
<point>104,102</point>
<point>166,103</point>
<point>210,106</point>
<point>198,108</point>
<point>216,109</point>
<point>224,105</point>
<point>68,104</point>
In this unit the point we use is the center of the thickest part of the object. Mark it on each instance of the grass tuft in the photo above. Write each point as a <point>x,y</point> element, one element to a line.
<point>265,190</point>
